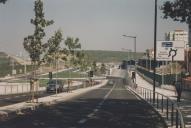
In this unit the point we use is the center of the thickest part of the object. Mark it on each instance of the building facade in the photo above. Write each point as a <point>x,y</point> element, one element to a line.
<point>177,35</point>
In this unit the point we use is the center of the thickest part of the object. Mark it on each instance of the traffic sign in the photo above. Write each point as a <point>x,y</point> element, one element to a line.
<point>170,51</point>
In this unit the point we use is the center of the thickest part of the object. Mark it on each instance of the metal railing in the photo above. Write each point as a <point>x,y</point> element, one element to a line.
<point>167,108</point>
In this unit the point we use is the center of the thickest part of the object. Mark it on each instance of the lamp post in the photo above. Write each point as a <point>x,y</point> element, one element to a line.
<point>155,41</point>
<point>135,51</point>
<point>134,37</point>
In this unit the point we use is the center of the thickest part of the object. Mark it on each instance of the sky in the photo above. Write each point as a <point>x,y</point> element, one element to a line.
<point>99,24</point>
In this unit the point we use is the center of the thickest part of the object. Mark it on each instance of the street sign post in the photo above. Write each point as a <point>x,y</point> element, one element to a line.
<point>170,51</point>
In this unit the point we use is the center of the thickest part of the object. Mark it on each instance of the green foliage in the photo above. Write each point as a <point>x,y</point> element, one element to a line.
<point>103,68</point>
<point>65,74</point>
<point>33,43</point>
<point>178,10</point>
<point>82,60</point>
<point>72,45</point>
<point>54,50</point>
<point>110,56</point>
<point>3,1</point>
<point>94,67</point>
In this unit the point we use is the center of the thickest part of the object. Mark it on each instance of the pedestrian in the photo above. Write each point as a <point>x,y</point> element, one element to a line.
<point>133,77</point>
<point>178,86</point>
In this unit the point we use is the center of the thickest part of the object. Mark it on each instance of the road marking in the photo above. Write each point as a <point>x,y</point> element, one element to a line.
<point>7,98</point>
<point>82,121</point>
<point>95,110</point>
<point>101,103</point>
<point>91,115</point>
<point>107,95</point>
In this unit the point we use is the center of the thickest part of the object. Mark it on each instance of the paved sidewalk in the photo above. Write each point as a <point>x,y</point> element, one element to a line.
<point>17,108</point>
<point>185,104</point>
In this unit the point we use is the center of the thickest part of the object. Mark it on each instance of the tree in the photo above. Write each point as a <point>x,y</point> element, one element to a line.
<point>3,1</point>
<point>178,10</point>
<point>72,45</point>
<point>103,68</point>
<point>33,43</point>
<point>82,60</point>
<point>94,66</point>
<point>54,50</point>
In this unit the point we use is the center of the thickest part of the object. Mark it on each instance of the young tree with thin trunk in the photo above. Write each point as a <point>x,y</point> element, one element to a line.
<point>72,45</point>
<point>54,50</point>
<point>103,68</point>
<point>33,44</point>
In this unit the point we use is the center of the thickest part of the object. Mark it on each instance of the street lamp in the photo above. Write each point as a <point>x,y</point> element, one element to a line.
<point>134,37</point>
<point>135,51</point>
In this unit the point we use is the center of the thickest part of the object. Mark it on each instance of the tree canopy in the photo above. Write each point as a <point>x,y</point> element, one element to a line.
<point>3,1</point>
<point>178,10</point>
<point>33,43</point>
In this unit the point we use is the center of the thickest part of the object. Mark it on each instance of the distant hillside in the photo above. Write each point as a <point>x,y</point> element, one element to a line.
<point>110,56</point>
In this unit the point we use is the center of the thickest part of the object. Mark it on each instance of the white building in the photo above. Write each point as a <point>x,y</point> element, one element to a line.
<point>177,35</point>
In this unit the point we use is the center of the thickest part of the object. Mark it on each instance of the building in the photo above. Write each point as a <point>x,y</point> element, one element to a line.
<point>177,35</point>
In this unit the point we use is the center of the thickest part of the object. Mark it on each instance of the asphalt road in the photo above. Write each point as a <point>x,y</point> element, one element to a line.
<point>111,106</point>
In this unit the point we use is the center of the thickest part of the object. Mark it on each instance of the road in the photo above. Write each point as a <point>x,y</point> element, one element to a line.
<point>111,106</point>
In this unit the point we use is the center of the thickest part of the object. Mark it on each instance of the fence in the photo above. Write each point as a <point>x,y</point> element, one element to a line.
<point>167,108</point>
<point>15,88</point>
<point>167,78</point>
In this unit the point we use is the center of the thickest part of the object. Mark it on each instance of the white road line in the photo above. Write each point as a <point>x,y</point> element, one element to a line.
<point>82,121</point>
<point>91,115</point>
<point>107,95</point>
<point>95,110</point>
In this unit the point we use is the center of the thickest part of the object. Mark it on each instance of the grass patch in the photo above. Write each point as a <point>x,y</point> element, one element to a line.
<point>67,74</point>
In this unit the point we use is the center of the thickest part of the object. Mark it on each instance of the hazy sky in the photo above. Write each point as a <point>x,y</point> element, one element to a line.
<point>99,24</point>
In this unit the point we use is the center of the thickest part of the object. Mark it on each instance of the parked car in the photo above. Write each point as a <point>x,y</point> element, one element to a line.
<point>54,85</point>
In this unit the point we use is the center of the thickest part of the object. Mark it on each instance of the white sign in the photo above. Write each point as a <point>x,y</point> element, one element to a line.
<point>170,51</point>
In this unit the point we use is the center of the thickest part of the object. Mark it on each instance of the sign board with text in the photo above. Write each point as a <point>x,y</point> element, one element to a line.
<point>170,51</point>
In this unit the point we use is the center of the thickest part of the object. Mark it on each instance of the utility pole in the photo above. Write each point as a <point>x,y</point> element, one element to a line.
<point>155,41</point>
